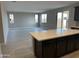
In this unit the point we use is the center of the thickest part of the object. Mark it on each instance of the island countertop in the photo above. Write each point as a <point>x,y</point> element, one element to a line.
<point>55,33</point>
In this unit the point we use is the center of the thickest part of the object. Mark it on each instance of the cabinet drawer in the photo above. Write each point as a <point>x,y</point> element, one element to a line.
<point>49,49</point>
<point>77,42</point>
<point>70,44</point>
<point>61,47</point>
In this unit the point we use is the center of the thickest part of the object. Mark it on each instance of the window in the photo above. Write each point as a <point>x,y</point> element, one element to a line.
<point>44,18</point>
<point>11,17</point>
<point>36,18</point>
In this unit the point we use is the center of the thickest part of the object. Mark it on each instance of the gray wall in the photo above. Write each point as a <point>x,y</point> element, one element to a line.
<point>52,17</point>
<point>27,19</point>
<point>22,20</point>
<point>1,27</point>
<point>4,24</point>
<point>51,20</point>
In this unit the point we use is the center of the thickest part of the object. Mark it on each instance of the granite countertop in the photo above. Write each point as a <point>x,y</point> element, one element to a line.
<point>53,33</point>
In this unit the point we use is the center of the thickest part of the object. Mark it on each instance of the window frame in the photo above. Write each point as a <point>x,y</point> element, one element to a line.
<point>11,17</point>
<point>43,18</point>
<point>36,18</point>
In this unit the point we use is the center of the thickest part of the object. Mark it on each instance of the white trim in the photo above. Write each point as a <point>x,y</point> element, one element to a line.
<point>6,37</point>
<point>27,29</point>
<point>21,28</point>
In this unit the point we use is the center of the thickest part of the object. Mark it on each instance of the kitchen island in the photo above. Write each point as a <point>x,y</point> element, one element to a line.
<point>55,43</point>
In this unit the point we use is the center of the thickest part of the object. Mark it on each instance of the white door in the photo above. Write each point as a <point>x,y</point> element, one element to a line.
<point>65,19</point>
<point>59,19</point>
<point>62,20</point>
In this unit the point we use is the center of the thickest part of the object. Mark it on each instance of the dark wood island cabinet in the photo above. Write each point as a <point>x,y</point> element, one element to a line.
<point>51,44</point>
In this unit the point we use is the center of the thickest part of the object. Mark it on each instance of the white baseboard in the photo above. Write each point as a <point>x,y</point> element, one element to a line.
<point>6,37</point>
<point>27,29</point>
<point>22,28</point>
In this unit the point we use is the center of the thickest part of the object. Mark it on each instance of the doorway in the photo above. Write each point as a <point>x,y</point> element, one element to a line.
<point>62,20</point>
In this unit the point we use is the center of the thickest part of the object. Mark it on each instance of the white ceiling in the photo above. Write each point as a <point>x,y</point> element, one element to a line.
<point>35,6</point>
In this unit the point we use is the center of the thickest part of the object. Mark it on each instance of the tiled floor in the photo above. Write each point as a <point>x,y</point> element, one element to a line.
<point>19,44</point>
<point>74,54</point>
